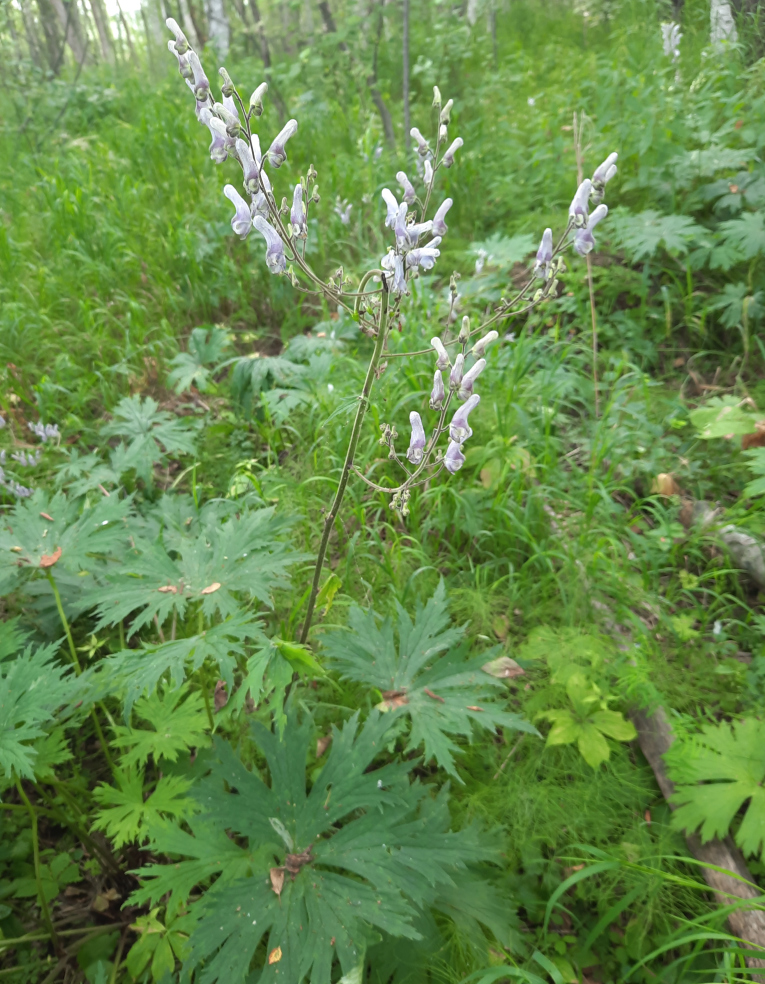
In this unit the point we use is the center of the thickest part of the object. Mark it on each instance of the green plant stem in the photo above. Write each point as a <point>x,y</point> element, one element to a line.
<point>382,332</point>
<point>36,855</point>
<point>39,937</point>
<point>77,667</point>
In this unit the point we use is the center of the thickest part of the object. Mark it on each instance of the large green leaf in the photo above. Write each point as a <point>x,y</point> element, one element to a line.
<point>721,416</point>
<point>427,675</point>
<point>151,435</point>
<point>361,849</point>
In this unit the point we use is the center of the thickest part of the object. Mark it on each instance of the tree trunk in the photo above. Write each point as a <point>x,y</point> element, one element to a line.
<point>200,28</point>
<point>377,99</point>
<point>69,19</point>
<point>220,31</point>
<point>655,737</point>
<point>52,35</point>
<point>105,40</point>
<point>31,35</point>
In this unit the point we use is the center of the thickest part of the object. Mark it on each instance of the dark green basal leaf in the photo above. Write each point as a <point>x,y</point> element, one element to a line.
<point>369,851</point>
<point>428,676</point>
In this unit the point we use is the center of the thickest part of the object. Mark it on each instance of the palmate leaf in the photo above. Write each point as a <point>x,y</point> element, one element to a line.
<point>745,234</point>
<point>178,722</point>
<point>127,815</point>
<point>720,416</point>
<point>641,235</point>
<point>728,761</point>
<point>240,556</point>
<point>32,687</point>
<point>363,849</point>
<point>427,675</point>
<point>206,348</point>
<point>54,531</point>
<point>152,434</point>
<point>134,672</point>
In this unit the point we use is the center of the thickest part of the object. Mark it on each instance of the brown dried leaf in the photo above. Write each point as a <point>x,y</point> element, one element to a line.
<point>168,589</point>
<point>277,884</point>
<point>275,955</point>
<point>46,516</point>
<point>323,744</point>
<point>392,699</point>
<point>503,668</point>
<point>48,560</point>
<point>220,697</point>
<point>756,440</point>
<point>665,484</point>
<point>211,588</point>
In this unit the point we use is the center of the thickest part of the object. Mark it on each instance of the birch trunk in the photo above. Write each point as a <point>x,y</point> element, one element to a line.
<point>218,26</point>
<point>105,40</point>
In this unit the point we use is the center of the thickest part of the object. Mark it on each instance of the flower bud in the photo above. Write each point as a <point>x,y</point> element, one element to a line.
<point>446,112</point>
<point>584,241</point>
<point>439,224</point>
<point>454,459</point>
<point>221,141</point>
<point>428,171</point>
<point>422,144</point>
<point>455,376</point>
<point>297,213</point>
<point>459,429</point>
<point>227,88</point>
<point>436,97</point>
<point>181,43</point>
<point>399,277</point>
<point>468,380</point>
<point>442,362</point>
<point>277,153</point>
<point>201,82</point>
<point>443,133</point>
<point>480,346</point>
<point>184,64</point>
<point>409,193</point>
<point>231,119</point>
<point>424,257</point>
<point>249,166</point>
<point>448,158</point>
<point>392,205</point>
<point>437,394</point>
<point>605,171</point>
<point>256,99</point>
<point>242,220</point>
<point>544,255</point>
<point>464,334</point>
<point>417,440</point>
<point>276,261</point>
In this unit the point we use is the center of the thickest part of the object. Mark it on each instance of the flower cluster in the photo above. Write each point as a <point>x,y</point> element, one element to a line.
<point>46,432</point>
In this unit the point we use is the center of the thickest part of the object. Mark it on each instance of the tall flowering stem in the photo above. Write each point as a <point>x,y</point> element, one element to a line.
<point>374,362</point>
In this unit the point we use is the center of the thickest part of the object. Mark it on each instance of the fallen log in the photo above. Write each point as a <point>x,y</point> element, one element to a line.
<point>747,923</point>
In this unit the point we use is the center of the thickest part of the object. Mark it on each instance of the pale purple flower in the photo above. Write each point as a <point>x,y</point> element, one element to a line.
<point>184,64</point>
<point>2,422</point>
<point>201,82</point>
<point>229,104</point>
<point>455,376</point>
<point>297,213</point>
<point>424,257</point>
<point>468,380</point>
<point>409,193</point>
<point>434,243</point>
<point>437,394</point>
<point>250,169</point>
<point>454,459</point>
<point>399,226</point>
<point>422,144</point>
<point>27,459</point>
<point>229,119</point>
<point>482,344</point>
<point>181,44</point>
<point>439,225</point>
<point>605,171</point>
<point>242,220</point>
<point>342,210</point>
<point>202,110</point>
<point>442,362</point>
<point>264,180</point>
<point>221,141</point>
<point>259,204</point>
<point>417,440</point>
<point>256,99</point>
<point>277,153</point>
<point>584,241</point>
<point>459,429</point>
<point>544,255</point>
<point>428,172</point>
<point>392,205</point>
<point>276,261</point>
<point>399,278</point>
<point>578,209</point>
<point>448,158</point>
<point>44,431</point>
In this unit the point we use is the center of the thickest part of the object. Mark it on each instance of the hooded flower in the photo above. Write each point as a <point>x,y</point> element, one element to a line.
<point>482,344</point>
<point>242,220</point>
<point>437,394</point>
<point>342,210</point>
<point>428,172</point>
<point>297,213</point>
<point>259,205</point>
<point>424,257</point>
<point>584,241</point>
<point>409,193</point>
<point>448,159</point>
<point>184,64</point>
<point>578,209</point>
<point>392,204</point>
<point>422,144</point>
<point>181,44</point>
<point>277,153</point>
<point>442,362</point>
<point>399,278</point>
<point>249,166</point>
<point>544,255</point>
<point>455,376</point>
<point>417,440</point>
<point>201,82</point>
<point>439,225</point>
<point>454,459</point>
<point>602,176</point>
<point>221,141</point>
<point>459,429</point>
<point>468,380</point>
<point>276,261</point>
